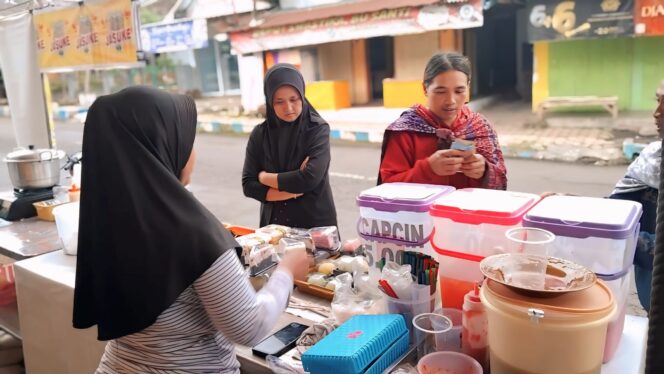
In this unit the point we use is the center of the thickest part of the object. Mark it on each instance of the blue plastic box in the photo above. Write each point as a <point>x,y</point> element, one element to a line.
<point>362,345</point>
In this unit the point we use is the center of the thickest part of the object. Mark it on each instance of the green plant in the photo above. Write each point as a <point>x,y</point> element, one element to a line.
<point>149,16</point>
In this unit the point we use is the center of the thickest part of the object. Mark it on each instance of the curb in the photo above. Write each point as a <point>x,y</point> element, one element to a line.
<point>245,127</point>
<point>615,154</point>
<point>59,113</point>
<point>608,156</point>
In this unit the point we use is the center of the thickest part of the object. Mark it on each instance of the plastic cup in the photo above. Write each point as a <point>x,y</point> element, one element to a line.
<point>66,221</point>
<point>448,362</point>
<point>409,309</point>
<point>61,194</point>
<point>451,339</point>
<point>535,243</point>
<point>429,327</point>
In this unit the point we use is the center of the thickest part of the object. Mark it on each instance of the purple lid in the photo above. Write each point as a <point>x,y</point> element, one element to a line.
<point>395,197</point>
<point>583,217</point>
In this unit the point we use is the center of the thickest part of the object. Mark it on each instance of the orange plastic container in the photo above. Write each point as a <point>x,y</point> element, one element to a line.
<point>239,230</point>
<point>562,334</point>
<point>457,276</point>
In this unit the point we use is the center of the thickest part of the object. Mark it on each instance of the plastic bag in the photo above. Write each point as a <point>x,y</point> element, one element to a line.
<point>317,279</point>
<point>352,264</point>
<point>367,282</point>
<point>279,366</point>
<point>404,369</point>
<point>399,278</point>
<point>349,301</point>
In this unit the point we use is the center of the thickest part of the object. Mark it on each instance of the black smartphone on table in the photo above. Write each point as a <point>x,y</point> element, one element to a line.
<point>281,341</point>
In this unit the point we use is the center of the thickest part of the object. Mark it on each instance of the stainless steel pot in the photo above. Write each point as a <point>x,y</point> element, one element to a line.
<point>32,169</point>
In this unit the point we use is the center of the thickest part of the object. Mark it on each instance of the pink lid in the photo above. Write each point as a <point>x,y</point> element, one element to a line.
<point>477,206</point>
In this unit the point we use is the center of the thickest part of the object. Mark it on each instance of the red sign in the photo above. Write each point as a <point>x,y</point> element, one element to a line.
<point>649,17</point>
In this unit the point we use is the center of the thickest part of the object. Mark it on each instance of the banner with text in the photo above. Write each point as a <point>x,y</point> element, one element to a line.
<point>649,17</point>
<point>405,20</point>
<point>174,37</point>
<point>582,19</point>
<point>92,34</point>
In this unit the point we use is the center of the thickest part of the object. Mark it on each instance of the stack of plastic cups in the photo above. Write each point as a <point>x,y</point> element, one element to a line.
<point>430,330</point>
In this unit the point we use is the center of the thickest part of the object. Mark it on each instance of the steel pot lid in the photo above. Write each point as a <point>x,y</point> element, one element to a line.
<point>29,155</point>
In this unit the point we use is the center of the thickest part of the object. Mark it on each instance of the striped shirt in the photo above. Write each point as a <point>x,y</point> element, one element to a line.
<point>196,334</point>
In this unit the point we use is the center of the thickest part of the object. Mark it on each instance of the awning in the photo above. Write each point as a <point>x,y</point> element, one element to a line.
<point>363,19</point>
<point>335,10</point>
<point>277,17</point>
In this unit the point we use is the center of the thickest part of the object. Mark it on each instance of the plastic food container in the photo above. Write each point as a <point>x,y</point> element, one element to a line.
<point>66,220</point>
<point>599,234</point>
<point>563,334</point>
<point>470,224</point>
<point>620,289</point>
<point>363,344</point>
<point>398,212</point>
<point>326,238</point>
<point>45,209</point>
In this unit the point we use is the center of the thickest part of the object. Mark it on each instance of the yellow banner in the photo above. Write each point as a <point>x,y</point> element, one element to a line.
<point>56,39</point>
<point>117,42</point>
<point>93,34</point>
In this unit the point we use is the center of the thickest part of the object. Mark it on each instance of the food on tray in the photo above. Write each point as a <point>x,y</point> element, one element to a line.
<point>333,284</point>
<point>348,263</point>
<point>275,231</point>
<point>304,238</point>
<point>326,238</point>
<point>286,245</point>
<point>327,268</point>
<point>317,279</point>
<point>352,247</point>
<point>260,253</point>
<point>247,242</point>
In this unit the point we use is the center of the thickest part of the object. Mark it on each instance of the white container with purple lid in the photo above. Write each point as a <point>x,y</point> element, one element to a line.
<point>398,213</point>
<point>600,234</point>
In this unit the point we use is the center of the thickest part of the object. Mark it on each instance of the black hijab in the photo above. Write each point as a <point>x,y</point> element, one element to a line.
<point>277,76</point>
<point>143,238</point>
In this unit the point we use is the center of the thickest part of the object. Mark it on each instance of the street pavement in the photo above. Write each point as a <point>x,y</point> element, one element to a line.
<point>586,137</point>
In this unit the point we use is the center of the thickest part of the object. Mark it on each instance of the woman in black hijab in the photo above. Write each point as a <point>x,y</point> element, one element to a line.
<point>287,162</point>
<point>156,271</point>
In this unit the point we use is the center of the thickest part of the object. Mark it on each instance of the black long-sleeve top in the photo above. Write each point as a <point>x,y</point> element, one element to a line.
<point>316,206</point>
